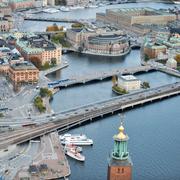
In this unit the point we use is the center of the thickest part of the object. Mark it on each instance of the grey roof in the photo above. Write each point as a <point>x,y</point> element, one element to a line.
<point>23,66</point>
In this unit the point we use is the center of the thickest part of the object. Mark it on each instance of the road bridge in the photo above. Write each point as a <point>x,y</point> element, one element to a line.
<point>73,117</point>
<point>75,80</point>
<point>52,19</point>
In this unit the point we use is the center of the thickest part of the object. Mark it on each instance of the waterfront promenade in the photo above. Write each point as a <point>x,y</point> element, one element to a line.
<point>50,155</point>
<point>73,117</point>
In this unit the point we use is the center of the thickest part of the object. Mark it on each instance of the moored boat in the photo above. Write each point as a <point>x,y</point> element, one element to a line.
<point>73,153</point>
<point>64,9</point>
<point>75,139</point>
<point>73,147</point>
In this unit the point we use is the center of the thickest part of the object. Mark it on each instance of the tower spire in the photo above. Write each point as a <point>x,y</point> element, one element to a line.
<point>120,165</point>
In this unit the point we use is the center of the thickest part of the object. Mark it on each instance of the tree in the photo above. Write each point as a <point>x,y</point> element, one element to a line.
<point>77,25</point>
<point>54,27</point>
<point>53,61</point>
<point>36,61</point>
<point>177,58</point>
<point>45,66</point>
<point>145,85</point>
<point>146,57</point>
<point>45,92</point>
<point>114,80</point>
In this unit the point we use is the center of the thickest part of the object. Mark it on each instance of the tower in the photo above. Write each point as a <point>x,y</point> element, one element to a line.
<point>120,165</point>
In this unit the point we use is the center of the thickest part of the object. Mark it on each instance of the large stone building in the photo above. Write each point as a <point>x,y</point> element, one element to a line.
<point>24,72</point>
<point>99,41</point>
<point>21,4</point>
<point>129,18</point>
<point>108,44</point>
<point>37,46</point>
<point>129,82</point>
<point>120,164</point>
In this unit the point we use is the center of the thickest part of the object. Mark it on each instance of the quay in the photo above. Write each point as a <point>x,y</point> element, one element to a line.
<point>84,114</point>
<point>50,162</point>
<point>97,76</point>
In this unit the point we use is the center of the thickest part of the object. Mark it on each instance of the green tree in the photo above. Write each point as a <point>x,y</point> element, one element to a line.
<point>45,92</point>
<point>145,85</point>
<point>177,58</point>
<point>146,57</point>
<point>53,61</point>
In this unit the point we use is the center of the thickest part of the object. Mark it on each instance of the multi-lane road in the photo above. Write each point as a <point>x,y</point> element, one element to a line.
<point>78,115</point>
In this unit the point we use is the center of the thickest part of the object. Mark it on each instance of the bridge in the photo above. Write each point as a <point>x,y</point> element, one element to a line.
<point>74,117</point>
<point>75,80</point>
<point>52,19</point>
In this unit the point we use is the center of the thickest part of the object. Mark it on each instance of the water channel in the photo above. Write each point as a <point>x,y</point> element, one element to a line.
<point>153,129</point>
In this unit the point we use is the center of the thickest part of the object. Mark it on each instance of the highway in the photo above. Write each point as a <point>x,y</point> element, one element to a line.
<point>70,118</point>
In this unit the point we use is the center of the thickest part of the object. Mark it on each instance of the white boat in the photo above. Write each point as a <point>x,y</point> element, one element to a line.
<point>74,154</point>
<point>176,2</point>
<point>76,7</point>
<point>76,139</point>
<point>92,6</point>
<point>51,11</point>
<point>64,9</point>
<point>72,147</point>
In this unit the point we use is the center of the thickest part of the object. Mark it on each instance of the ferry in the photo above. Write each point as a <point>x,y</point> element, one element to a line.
<point>64,9</point>
<point>51,11</point>
<point>76,139</point>
<point>73,153</point>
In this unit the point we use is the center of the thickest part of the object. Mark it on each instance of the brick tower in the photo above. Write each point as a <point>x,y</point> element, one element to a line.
<point>120,165</point>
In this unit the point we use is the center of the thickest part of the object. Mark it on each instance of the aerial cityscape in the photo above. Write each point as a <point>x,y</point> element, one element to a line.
<point>89,89</point>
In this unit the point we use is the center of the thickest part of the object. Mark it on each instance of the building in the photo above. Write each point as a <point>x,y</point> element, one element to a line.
<point>77,2</point>
<point>128,18</point>
<point>99,41</point>
<point>5,9</point>
<point>154,50</point>
<point>31,46</point>
<point>120,165</point>
<point>76,36</point>
<point>171,63</point>
<point>51,2</point>
<point>24,72</point>
<point>21,4</point>
<point>5,23</point>
<point>108,44</point>
<point>129,82</point>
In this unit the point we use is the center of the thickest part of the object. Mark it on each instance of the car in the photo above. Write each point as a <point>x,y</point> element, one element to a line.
<point>37,87</point>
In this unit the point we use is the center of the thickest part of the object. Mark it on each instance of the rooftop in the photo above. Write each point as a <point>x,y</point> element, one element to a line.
<point>128,78</point>
<point>23,66</point>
